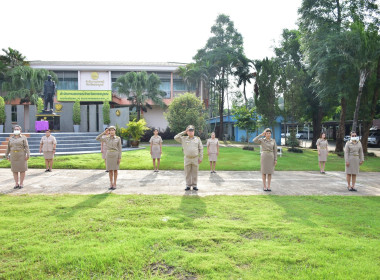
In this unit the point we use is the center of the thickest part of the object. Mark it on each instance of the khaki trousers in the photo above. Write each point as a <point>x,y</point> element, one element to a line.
<point>191,174</point>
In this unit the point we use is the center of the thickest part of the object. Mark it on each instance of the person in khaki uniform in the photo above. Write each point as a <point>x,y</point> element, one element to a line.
<point>156,149</point>
<point>322,146</point>
<point>212,151</point>
<point>193,155</point>
<point>354,157</point>
<point>18,154</point>
<point>113,158</point>
<point>103,147</point>
<point>268,156</point>
<point>47,146</point>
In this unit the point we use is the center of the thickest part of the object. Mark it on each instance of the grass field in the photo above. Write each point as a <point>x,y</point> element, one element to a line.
<point>170,237</point>
<point>229,159</point>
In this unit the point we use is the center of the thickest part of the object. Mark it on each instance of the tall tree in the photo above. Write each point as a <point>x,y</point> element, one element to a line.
<point>267,98</point>
<point>244,73</point>
<point>221,50</point>
<point>139,87</point>
<point>25,83</point>
<point>323,23</point>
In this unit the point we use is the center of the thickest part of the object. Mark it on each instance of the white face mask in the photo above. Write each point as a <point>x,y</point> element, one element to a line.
<point>17,132</point>
<point>355,138</point>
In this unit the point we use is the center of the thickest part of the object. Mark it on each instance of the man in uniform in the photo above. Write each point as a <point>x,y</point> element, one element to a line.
<point>193,154</point>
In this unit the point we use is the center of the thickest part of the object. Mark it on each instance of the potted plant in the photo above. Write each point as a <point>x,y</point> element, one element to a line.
<point>2,114</point>
<point>106,114</point>
<point>76,115</point>
<point>135,130</point>
<point>40,105</point>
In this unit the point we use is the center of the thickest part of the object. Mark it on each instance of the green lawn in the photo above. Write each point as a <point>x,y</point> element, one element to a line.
<point>229,159</point>
<point>171,237</point>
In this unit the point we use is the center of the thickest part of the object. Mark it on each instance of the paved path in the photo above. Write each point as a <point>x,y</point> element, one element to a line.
<point>75,181</point>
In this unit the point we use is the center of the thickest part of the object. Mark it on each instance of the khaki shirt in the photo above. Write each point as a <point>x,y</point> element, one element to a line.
<point>48,143</point>
<point>212,145</point>
<point>322,143</point>
<point>18,145</point>
<point>353,150</point>
<point>267,145</point>
<point>112,143</point>
<point>192,148</point>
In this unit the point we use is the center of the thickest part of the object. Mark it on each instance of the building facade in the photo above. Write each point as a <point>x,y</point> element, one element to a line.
<point>91,79</point>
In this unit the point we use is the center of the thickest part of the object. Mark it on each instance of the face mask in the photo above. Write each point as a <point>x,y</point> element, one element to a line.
<point>355,138</point>
<point>17,132</point>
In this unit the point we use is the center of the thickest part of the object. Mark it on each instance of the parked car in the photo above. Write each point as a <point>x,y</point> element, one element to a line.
<point>283,135</point>
<point>374,138</point>
<point>303,135</point>
<point>348,137</point>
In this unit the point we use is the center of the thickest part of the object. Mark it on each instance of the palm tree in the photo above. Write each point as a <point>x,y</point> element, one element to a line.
<point>13,58</point>
<point>243,72</point>
<point>139,88</point>
<point>26,83</point>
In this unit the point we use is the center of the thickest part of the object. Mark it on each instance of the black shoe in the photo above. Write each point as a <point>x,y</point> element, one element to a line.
<point>187,188</point>
<point>16,187</point>
<point>47,170</point>
<point>354,190</point>
<point>20,187</point>
<point>269,190</point>
<point>107,171</point>
<point>195,188</point>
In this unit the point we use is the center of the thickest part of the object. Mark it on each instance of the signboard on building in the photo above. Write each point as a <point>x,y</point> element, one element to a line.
<point>84,95</point>
<point>94,81</point>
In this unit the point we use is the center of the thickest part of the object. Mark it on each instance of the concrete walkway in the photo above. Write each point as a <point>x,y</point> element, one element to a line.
<point>74,181</point>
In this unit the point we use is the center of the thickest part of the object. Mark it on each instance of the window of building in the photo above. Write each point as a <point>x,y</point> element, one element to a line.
<point>180,85</point>
<point>14,113</point>
<point>165,86</point>
<point>67,80</point>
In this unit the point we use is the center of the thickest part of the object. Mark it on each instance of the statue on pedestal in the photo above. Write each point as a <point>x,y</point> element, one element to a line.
<point>49,92</point>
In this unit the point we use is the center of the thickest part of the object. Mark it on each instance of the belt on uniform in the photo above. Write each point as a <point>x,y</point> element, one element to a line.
<point>191,156</point>
<point>155,144</point>
<point>15,151</point>
<point>112,150</point>
<point>322,148</point>
<point>354,155</point>
<point>268,151</point>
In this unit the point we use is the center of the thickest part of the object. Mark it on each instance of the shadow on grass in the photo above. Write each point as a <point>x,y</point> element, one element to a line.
<point>192,207</point>
<point>92,201</point>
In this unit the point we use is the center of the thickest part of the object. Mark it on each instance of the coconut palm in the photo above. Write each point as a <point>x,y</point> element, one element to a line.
<point>139,88</point>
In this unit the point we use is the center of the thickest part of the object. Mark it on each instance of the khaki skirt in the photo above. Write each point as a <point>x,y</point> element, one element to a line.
<point>18,162</point>
<point>156,151</point>
<point>48,155</point>
<point>212,157</point>
<point>111,160</point>
<point>354,165</point>
<point>267,163</point>
<point>323,155</point>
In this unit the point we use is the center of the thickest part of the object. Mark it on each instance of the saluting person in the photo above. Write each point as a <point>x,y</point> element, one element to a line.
<point>193,156</point>
<point>322,146</point>
<point>268,156</point>
<point>114,150</point>
<point>18,154</point>
<point>103,147</point>
<point>48,146</point>
<point>212,151</point>
<point>354,157</point>
<point>156,149</point>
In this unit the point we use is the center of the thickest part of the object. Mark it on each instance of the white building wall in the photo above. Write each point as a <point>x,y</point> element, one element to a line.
<point>155,118</point>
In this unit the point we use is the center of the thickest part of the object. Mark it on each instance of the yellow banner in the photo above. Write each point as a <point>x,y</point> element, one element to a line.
<point>84,95</point>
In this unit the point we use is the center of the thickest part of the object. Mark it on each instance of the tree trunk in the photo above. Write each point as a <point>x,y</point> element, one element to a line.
<point>245,95</point>
<point>221,107</point>
<point>342,128</point>
<point>363,77</point>
<point>317,126</point>
<point>138,112</point>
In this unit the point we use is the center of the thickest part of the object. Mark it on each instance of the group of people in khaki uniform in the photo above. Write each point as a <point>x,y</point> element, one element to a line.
<point>18,154</point>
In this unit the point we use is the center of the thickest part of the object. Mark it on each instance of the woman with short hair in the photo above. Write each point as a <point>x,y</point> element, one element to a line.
<point>212,151</point>
<point>268,156</point>
<point>18,154</point>
<point>113,158</point>
<point>322,146</point>
<point>354,157</point>
<point>48,146</point>
<point>156,149</point>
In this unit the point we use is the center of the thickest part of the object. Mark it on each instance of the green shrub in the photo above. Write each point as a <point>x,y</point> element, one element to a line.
<point>2,111</point>
<point>249,148</point>
<point>40,105</point>
<point>76,112</point>
<point>106,112</point>
<point>135,130</point>
<point>295,150</point>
